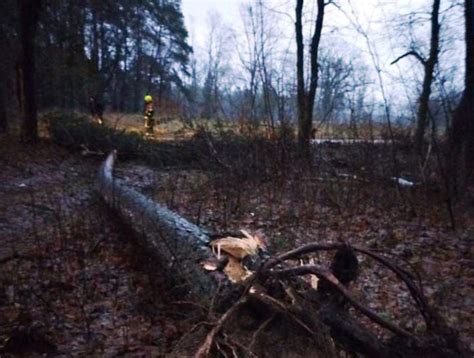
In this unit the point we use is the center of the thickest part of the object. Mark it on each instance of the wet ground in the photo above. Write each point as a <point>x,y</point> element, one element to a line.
<point>72,279</point>
<point>70,282</point>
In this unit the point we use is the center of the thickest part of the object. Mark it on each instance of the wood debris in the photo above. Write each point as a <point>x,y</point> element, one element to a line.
<point>236,249</point>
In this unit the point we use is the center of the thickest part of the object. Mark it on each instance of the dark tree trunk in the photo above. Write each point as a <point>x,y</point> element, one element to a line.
<point>301,101</point>
<point>314,70</point>
<point>29,15</point>
<point>462,134</point>
<point>3,111</point>
<point>95,41</point>
<point>4,80</point>
<point>429,64</point>
<point>305,98</point>
<point>138,74</point>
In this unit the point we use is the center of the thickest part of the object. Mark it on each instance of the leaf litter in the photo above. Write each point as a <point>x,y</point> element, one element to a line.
<point>70,282</point>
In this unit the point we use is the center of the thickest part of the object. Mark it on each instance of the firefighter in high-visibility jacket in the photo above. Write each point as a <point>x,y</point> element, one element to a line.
<point>148,115</point>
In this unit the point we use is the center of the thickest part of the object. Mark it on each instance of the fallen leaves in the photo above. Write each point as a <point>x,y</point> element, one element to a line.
<point>101,291</point>
<point>371,216</point>
<point>71,267</point>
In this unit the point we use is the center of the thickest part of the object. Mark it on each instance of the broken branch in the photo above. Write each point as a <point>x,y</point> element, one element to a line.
<point>410,53</point>
<point>330,278</point>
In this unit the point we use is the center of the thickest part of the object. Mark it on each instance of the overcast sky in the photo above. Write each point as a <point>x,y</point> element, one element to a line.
<point>379,18</point>
<point>196,14</point>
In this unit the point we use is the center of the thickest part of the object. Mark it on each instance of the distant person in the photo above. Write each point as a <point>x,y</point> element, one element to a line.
<point>314,132</point>
<point>148,115</point>
<point>97,110</point>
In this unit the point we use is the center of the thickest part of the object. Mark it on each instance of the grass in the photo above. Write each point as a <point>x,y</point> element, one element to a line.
<point>176,128</point>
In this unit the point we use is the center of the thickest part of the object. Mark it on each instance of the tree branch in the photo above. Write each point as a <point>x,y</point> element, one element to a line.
<point>410,53</point>
<point>205,348</point>
<point>330,278</point>
<point>428,314</point>
<point>17,256</point>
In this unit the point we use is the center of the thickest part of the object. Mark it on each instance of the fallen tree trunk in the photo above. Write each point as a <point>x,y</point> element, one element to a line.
<point>183,246</point>
<point>177,243</point>
<point>304,320</point>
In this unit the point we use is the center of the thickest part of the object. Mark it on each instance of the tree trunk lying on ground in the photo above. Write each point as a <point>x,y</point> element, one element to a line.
<point>275,311</point>
<point>182,245</point>
<point>177,243</point>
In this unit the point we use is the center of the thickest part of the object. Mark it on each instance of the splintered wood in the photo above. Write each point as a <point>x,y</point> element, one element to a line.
<point>235,249</point>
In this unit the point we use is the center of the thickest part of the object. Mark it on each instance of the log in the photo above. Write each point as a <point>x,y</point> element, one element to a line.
<point>182,246</point>
<point>178,244</point>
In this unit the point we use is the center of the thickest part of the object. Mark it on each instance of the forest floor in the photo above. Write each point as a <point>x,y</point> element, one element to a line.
<point>72,280</point>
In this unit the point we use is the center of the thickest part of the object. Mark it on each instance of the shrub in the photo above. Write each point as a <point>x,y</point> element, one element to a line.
<point>76,131</point>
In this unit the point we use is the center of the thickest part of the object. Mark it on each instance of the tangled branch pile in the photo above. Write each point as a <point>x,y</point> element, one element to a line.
<point>279,289</point>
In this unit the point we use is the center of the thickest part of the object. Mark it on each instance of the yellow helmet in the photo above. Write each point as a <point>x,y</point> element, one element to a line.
<point>148,98</point>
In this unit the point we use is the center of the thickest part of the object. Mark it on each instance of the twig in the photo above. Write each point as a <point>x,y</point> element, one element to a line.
<point>428,314</point>
<point>190,303</point>
<point>415,291</point>
<point>205,348</point>
<point>410,53</point>
<point>234,344</point>
<point>191,330</point>
<point>260,330</point>
<point>17,256</point>
<point>300,251</point>
<point>329,277</point>
<point>281,307</point>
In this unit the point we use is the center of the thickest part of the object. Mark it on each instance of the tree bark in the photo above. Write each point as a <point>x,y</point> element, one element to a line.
<point>3,102</point>
<point>429,65</point>
<point>178,244</point>
<point>29,16</point>
<point>4,80</point>
<point>3,113</point>
<point>305,97</point>
<point>181,245</point>
<point>462,134</point>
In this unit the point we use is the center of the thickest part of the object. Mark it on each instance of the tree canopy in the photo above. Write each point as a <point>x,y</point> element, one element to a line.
<point>113,50</point>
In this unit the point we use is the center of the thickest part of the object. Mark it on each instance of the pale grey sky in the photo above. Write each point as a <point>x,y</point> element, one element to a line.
<point>378,18</point>
<point>196,11</point>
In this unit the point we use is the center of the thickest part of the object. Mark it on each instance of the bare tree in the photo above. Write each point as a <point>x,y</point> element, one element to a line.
<point>305,96</point>
<point>29,16</point>
<point>334,85</point>
<point>375,58</point>
<point>258,59</point>
<point>217,48</point>
<point>265,77</point>
<point>250,61</point>
<point>429,66</point>
<point>462,134</point>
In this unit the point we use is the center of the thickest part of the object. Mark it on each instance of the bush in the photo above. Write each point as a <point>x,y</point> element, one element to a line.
<point>76,131</point>
<point>246,156</point>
